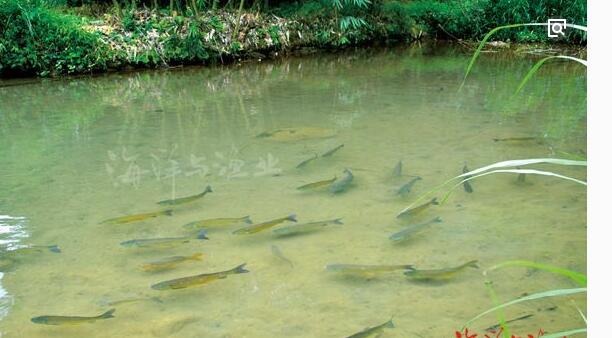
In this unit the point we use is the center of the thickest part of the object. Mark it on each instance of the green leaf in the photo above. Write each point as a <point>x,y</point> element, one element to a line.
<point>579,278</point>
<point>539,295</point>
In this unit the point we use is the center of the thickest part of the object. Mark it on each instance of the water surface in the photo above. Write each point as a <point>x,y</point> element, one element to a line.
<point>75,152</point>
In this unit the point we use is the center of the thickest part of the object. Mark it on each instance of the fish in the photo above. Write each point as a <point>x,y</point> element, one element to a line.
<point>183,200</point>
<point>213,222</point>
<point>417,209</point>
<point>306,161</point>
<point>332,151</point>
<point>278,253</point>
<point>197,280</point>
<point>297,134</point>
<point>397,171</point>
<point>26,250</point>
<point>373,331</point>
<point>163,242</point>
<point>367,270</point>
<point>466,185</point>
<point>343,183</point>
<point>405,189</point>
<point>439,274</point>
<point>515,139</point>
<point>169,263</point>
<point>71,320</point>
<point>137,218</point>
<point>316,185</point>
<point>255,228</point>
<point>306,227</point>
<point>411,229</point>
<point>129,300</point>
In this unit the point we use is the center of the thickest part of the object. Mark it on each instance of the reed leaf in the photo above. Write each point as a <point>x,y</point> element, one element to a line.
<point>565,333</point>
<point>502,164</point>
<point>579,278</point>
<point>539,64</point>
<point>501,317</point>
<point>512,171</point>
<point>539,295</point>
<point>495,30</point>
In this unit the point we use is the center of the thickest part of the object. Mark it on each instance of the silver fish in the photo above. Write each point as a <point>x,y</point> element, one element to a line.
<point>411,229</point>
<point>342,183</point>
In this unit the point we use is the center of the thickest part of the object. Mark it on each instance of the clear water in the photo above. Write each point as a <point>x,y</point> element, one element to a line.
<point>75,152</point>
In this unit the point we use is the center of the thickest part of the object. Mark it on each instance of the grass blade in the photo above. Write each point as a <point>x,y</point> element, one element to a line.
<point>539,295</point>
<point>579,278</point>
<point>565,333</point>
<point>495,30</point>
<point>539,64</point>
<point>512,171</point>
<point>502,164</point>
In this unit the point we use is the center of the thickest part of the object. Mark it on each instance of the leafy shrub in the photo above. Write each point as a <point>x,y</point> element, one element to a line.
<point>34,39</point>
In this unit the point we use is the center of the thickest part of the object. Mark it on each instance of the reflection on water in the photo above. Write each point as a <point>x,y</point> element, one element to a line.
<point>12,231</point>
<point>76,152</point>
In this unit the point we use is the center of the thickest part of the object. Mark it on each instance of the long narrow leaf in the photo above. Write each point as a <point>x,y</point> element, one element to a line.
<point>502,164</point>
<point>539,64</point>
<point>565,333</point>
<point>495,30</point>
<point>577,277</point>
<point>539,295</point>
<point>512,171</point>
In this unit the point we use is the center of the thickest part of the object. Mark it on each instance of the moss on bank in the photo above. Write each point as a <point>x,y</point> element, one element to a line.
<point>39,39</point>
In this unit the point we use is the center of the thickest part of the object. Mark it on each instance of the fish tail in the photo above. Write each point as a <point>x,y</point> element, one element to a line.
<point>292,218</point>
<point>240,269</point>
<point>390,324</point>
<point>167,212</point>
<point>409,267</point>
<point>434,201</point>
<point>202,234</point>
<point>208,189</point>
<point>247,220</point>
<point>107,314</point>
<point>473,264</point>
<point>437,220</point>
<point>54,248</point>
<point>197,256</point>
<point>338,221</point>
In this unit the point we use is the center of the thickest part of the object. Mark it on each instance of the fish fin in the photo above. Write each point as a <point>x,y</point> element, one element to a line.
<point>434,201</point>
<point>473,264</point>
<point>437,219</point>
<point>247,220</point>
<point>197,256</point>
<point>292,218</point>
<point>208,189</point>
<point>54,248</point>
<point>168,212</point>
<point>338,221</point>
<point>107,314</point>
<point>390,324</point>
<point>202,234</point>
<point>240,269</point>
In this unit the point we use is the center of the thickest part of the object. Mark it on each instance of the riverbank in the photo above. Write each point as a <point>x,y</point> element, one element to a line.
<point>42,40</point>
